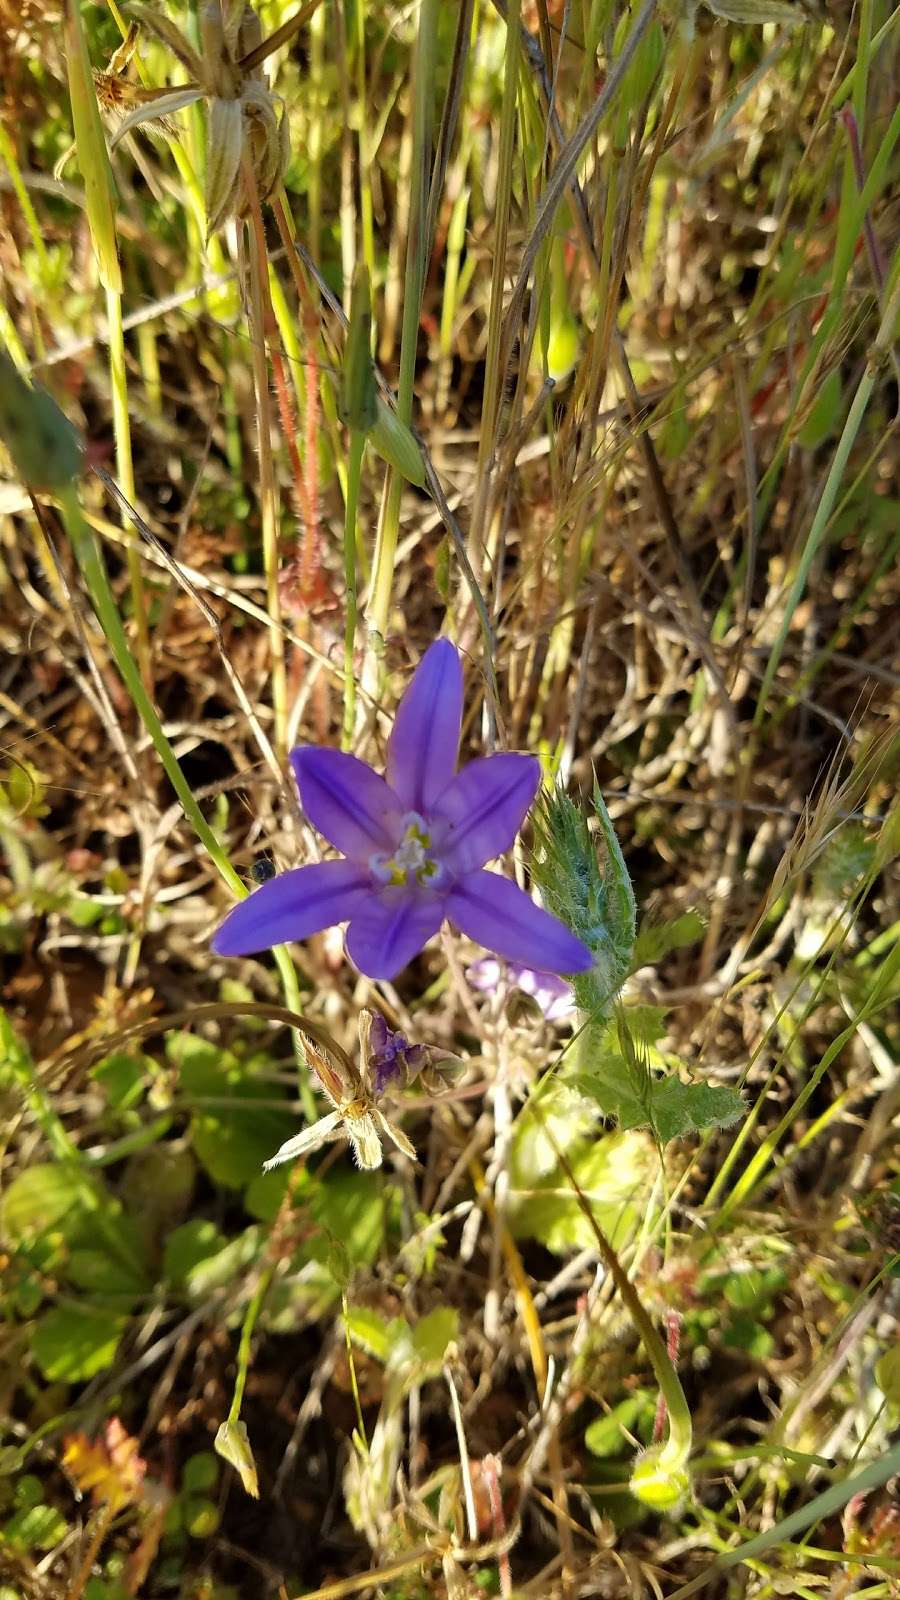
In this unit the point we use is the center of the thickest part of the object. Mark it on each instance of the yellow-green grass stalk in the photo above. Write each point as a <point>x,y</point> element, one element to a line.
<point>879,994</point>
<point>148,354</point>
<point>367,216</point>
<point>824,1505</point>
<point>880,348</point>
<point>11,341</point>
<point>93,159</point>
<point>493,376</point>
<point>316,129</point>
<point>96,579</point>
<point>254,1306</point>
<point>261,317</point>
<point>851,219</point>
<point>452,290</point>
<point>9,159</point>
<point>722,1204</point>
<point>416,258</point>
<point>359,412</point>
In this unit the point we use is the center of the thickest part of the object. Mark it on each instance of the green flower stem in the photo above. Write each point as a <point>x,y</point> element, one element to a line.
<point>671,1458</point>
<point>87,553</point>
<point>254,1307</point>
<point>118,378</point>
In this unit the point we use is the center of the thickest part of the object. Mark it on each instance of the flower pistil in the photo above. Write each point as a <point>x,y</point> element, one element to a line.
<point>412,858</point>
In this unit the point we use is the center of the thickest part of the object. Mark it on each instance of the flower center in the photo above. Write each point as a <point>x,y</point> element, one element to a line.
<point>411,860</point>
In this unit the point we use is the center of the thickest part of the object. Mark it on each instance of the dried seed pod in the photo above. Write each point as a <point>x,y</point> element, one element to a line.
<point>247,122</point>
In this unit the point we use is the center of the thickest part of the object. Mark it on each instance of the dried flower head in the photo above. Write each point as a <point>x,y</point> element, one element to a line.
<point>247,123</point>
<point>387,1062</point>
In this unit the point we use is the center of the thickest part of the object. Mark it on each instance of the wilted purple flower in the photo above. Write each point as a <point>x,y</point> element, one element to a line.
<point>354,1097</point>
<point>387,1062</point>
<point>391,1056</point>
<point>415,843</point>
<point>552,995</point>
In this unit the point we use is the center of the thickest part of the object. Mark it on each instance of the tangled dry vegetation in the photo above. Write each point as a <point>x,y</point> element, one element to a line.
<point>641,320</point>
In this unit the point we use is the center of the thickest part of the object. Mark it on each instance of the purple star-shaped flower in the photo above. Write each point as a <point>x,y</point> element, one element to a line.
<point>415,843</point>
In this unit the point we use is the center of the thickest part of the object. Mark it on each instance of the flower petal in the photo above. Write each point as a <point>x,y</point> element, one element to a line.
<point>224,142</point>
<point>397,1136</point>
<point>422,749</point>
<point>486,805</point>
<point>347,801</point>
<point>499,915</point>
<point>362,1131</point>
<point>304,1143</point>
<point>156,110</point>
<point>292,906</point>
<point>390,928</point>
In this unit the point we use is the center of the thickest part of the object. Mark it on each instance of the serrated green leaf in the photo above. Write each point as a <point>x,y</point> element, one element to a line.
<point>215,1271</point>
<point>681,1108</point>
<point>72,1343</point>
<point>352,1208</point>
<point>201,1472</point>
<point>265,1193</point>
<point>645,1024</point>
<point>105,1275</point>
<point>200,1516</point>
<point>754,1289</point>
<point>744,1332</point>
